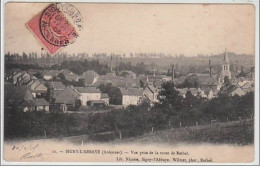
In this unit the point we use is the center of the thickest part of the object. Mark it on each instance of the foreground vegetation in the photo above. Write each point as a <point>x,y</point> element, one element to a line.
<point>173,111</point>
<point>217,133</point>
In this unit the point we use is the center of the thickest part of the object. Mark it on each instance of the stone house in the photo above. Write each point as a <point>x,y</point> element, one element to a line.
<point>38,104</point>
<point>151,93</point>
<point>126,96</point>
<point>88,94</point>
<point>50,74</point>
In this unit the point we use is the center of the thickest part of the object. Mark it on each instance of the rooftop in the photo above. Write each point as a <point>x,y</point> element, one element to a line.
<point>87,90</point>
<point>131,91</point>
<point>37,102</point>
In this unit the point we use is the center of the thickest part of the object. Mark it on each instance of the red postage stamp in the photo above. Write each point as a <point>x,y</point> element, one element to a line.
<point>52,29</point>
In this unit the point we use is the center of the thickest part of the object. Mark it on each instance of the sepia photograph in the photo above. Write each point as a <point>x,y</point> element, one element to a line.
<point>130,83</point>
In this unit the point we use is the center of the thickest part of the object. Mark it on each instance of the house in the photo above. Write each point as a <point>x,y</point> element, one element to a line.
<point>241,81</point>
<point>215,93</point>
<point>151,93</point>
<point>72,77</point>
<point>90,77</point>
<point>16,94</point>
<point>127,82</point>
<point>105,98</point>
<point>50,74</point>
<point>56,86</point>
<point>248,87</point>
<point>234,90</point>
<point>116,81</point>
<point>20,78</point>
<point>96,103</point>
<point>182,91</point>
<point>15,77</point>
<point>132,83</point>
<point>156,80</point>
<point>38,104</point>
<point>126,96</point>
<point>250,75</point>
<point>204,79</point>
<point>158,83</point>
<point>180,80</point>
<point>110,77</point>
<point>24,78</point>
<point>69,75</point>
<point>87,94</point>
<point>207,93</point>
<point>67,97</point>
<point>38,89</point>
<point>197,92</point>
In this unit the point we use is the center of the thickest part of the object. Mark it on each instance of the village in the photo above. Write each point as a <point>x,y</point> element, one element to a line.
<point>49,93</point>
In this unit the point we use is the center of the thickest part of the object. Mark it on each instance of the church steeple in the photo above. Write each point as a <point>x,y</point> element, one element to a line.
<point>225,60</point>
<point>225,68</point>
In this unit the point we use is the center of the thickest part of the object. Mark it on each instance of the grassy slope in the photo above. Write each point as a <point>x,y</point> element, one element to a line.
<point>219,133</point>
<point>239,133</point>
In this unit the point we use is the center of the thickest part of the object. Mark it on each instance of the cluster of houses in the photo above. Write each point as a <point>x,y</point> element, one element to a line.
<point>26,92</point>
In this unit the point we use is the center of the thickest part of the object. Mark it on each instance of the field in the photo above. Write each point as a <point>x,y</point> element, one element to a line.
<point>235,132</point>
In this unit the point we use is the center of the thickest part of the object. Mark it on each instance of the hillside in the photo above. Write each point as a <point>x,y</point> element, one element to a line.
<point>219,133</point>
<point>238,133</point>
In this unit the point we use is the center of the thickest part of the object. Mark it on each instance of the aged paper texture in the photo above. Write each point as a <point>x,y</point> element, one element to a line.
<point>114,83</point>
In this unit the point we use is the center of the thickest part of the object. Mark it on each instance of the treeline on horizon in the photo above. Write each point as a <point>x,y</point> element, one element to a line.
<point>183,64</point>
<point>173,111</point>
<point>79,67</point>
<point>65,55</point>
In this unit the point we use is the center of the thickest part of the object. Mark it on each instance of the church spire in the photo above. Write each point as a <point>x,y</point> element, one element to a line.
<point>226,57</point>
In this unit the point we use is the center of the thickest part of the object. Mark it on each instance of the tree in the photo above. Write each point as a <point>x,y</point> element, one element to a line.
<point>192,82</point>
<point>227,82</point>
<point>25,56</point>
<point>39,75</point>
<point>170,101</point>
<point>124,74</point>
<point>169,95</point>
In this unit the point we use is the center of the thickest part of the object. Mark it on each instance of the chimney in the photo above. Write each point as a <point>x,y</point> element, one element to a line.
<point>111,64</point>
<point>210,69</point>
<point>173,71</point>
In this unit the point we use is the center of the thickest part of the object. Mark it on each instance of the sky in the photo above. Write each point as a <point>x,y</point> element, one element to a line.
<point>143,28</point>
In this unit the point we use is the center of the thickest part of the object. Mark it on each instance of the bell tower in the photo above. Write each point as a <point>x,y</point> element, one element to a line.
<point>225,71</point>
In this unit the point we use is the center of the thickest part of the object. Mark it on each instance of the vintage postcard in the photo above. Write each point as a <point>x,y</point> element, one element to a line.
<point>130,83</point>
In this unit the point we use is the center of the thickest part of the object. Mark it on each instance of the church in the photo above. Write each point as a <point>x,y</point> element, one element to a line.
<point>212,80</point>
<point>225,69</point>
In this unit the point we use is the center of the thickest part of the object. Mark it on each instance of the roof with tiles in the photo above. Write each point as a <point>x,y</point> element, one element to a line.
<point>37,102</point>
<point>66,96</point>
<point>57,86</point>
<point>131,91</point>
<point>87,90</point>
<point>50,73</point>
<point>15,92</point>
